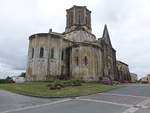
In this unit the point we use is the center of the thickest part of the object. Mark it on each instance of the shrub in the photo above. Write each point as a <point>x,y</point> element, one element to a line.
<point>61,84</point>
<point>144,82</point>
<point>23,74</point>
<point>72,83</point>
<point>3,81</point>
<point>7,80</point>
<point>55,85</point>
<point>115,82</point>
<point>76,83</point>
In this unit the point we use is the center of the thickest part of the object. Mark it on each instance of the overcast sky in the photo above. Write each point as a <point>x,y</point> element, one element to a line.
<point>128,23</point>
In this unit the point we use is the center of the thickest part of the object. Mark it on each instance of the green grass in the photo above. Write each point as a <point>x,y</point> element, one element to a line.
<point>41,89</point>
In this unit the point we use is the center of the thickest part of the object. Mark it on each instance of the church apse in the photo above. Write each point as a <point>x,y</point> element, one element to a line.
<point>73,54</point>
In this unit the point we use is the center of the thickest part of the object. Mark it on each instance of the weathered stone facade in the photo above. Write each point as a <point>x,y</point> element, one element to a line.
<point>74,54</point>
<point>123,72</point>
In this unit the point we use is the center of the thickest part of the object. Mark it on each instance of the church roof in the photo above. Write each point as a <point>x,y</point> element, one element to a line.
<point>106,36</point>
<point>122,62</point>
<point>75,6</point>
<point>80,35</point>
<point>77,44</point>
<point>58,35</point>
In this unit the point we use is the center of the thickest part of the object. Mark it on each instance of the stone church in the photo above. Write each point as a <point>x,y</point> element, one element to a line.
<point>74,54</point>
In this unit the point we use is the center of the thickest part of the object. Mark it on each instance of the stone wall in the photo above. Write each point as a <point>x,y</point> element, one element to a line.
<point>78,16</point>
<point>80,35</point>
<point>39,68</point>
<point>109,59</point>
<point>86,62</point>
<point>65,59</point>
<point>123,71</point>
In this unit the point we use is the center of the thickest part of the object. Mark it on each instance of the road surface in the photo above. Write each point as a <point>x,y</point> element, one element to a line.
<point>133,98</point>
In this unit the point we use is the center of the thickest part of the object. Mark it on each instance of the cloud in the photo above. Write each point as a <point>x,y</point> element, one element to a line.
<point>128,25</point>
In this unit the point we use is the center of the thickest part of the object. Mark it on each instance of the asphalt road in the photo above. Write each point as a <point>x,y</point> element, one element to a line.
<point>10,101</point>
<point>129,99</point>
<point>135,89</point>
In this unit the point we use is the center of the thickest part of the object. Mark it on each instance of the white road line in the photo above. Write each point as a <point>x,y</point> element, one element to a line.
<point>141,105</point>
<point>123,95</point>
<point>37,106</point>
<point>131,110</point>
<point>144,103</point>
<point>107,102</point>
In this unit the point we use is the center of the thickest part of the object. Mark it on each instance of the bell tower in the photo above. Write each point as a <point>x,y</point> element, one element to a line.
<point>78,17</point>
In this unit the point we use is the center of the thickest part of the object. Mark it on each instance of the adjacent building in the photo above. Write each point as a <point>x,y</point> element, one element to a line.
<point>74,54</point>
<point>18,79</point>
<point>134,77</point>
<point>146,79</point>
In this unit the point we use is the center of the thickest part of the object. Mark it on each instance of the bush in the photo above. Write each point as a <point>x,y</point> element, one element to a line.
<point>3,81</point>
<point>72,83</point>
<point>55,86</point>
<point>7,80</point>
<point>115,82</point>
<point>23,74</point>
<point>144,82</point>
<point>61,84</point>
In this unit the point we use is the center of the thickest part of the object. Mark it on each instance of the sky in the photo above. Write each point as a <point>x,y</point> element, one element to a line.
<point>127,22</point>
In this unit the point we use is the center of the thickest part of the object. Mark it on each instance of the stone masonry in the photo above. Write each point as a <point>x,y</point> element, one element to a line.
<point>73,54</point>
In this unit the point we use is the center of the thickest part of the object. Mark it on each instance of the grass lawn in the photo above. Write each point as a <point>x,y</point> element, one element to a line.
<point>41,89</point>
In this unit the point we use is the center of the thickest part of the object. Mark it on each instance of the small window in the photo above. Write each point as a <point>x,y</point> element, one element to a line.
<point>49,53</point>
<point>79,17</point>
<point>85,60</point>
<point>32,52</point>
<point>41,52</point>
<point>77,61</point>
<point>86,20</point>
<point>71,18</point>
<point>52,52</point>
<point>62,55</point>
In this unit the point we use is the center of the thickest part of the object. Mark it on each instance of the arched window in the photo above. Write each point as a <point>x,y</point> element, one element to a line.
<point>62,55</point>
<point>85,60</point>
<point>52,52</point>
<point>41,52</point>
<point>80,17</point>
<point>32,52</point>
<point>77,60</point>
<point>86,20</point>
<point>71,18</point>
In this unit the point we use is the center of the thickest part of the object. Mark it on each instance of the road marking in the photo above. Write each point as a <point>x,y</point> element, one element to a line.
<point>131,110</point>
<point>107,102</point>
<point>122,95</point>
<point>138,106</point>
<point>137,85</point>
<point>145,103</point>
<point>37,106</point>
